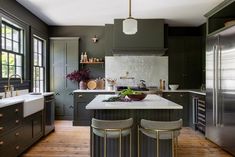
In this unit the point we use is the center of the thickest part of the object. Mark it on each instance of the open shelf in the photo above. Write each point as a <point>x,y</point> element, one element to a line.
<point>91,62</point>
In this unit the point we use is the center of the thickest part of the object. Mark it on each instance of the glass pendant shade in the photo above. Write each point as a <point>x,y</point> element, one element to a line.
<point>130,26</point>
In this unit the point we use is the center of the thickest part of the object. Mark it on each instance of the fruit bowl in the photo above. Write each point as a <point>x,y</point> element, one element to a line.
<point>137,97</point>
<point>174,86</point>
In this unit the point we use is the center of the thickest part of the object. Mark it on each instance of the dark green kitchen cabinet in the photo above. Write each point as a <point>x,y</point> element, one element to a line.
<point>64,59</point>
<point>180,98</point>
<point>185,61</point>
<point>33,128</point>
<point>82,116</point>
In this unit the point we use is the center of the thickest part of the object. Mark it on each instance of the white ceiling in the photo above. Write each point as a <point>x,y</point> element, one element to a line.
<point>100,12</point>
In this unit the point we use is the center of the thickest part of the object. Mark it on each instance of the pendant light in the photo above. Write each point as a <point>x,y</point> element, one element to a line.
<point>129,24</point>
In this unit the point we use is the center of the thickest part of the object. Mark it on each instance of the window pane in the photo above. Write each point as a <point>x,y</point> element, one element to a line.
<point>35,59</point>
<point>8,32</point>
<point>11,70</point>
<point>16,35</point>
<point>37,73</point>
<point>3,43</point>
<point>41,74</point>
<point>4,71</point>
<point>4,58</point>
<point>39,60</point>
<point>8,44</point>
<point>39,46</point>
<point>35,47</point>
<point>18,60</point>
<point>19,70</point>
<point>15,47</point>
<point>3,30</point>
<point>11,59</point>
<point>41,86</point>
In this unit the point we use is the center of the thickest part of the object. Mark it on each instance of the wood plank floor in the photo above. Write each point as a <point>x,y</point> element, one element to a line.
<point>69,141</point>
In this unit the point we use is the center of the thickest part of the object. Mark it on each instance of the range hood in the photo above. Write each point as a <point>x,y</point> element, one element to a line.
<point>149,40</point>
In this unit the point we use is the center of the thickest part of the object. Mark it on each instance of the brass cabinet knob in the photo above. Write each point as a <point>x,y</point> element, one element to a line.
<point>17,121</point>
<point>17,147</point>
<point>1,128</point>
<point>181,95</point>
<point>1,115</point>
<point>16,110</point>
<point>17,133</point>
<point>1,142</point>
<point>168,95</point>
<point>80,96</point>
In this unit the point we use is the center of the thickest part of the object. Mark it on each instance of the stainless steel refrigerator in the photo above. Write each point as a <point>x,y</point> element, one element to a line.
<point>220,86</point>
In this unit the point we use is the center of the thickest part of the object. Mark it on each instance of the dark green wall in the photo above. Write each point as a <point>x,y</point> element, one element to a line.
<point>85,33</point>
<point>15,12</point>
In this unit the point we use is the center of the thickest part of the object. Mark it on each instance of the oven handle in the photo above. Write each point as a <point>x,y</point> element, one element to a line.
<point>51,100</point>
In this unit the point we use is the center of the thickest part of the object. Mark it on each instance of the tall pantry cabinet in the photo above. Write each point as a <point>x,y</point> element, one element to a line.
<point>64,59</point>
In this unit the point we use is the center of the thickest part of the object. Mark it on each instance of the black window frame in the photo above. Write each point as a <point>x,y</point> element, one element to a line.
<point>42,66</point>
<point>21,46</point>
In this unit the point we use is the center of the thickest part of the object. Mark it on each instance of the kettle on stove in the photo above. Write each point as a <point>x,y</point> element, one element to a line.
<point>142,84</point>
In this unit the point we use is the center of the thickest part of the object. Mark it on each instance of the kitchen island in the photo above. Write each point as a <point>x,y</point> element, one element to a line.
<point>153,107</point>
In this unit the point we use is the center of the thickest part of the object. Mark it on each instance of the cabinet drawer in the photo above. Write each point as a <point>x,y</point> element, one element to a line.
<point>10,117</point>
<point>11,144</point>
<point>84,97</point>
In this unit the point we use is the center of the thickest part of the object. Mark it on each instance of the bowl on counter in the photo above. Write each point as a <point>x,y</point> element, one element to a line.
<point>137,97</point>
<point>174,86</point>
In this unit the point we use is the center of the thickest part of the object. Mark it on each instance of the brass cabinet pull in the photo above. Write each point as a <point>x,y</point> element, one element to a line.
<point>17,121</point>
<point>16,110</point>
<point>80,96</point>
<point>1,128</point>
<point>168,95</point>
<point>1,142</point>
<point>17,134</point>
<point>17,147</point>
<point>1,115</point>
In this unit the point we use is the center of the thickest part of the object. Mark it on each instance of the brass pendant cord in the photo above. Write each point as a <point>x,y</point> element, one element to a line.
<point>129,8</point>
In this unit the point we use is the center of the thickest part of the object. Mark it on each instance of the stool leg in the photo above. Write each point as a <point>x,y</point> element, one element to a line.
<point>176,147</point>
<point>172,143</point>
<point>130,144</point>
<point>138,141</point>
<point>92,143</point>
<point>105,144</point>
<point>120,143</point>
<point>157,137</point>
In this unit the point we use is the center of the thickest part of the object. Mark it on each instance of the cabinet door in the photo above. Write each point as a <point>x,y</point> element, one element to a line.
<point>84,116</point>
<point>37,125</point>
<point>68,103</point>
<point>57,64</point>
<point>59,103</point>
<point>181,99</point>
<point>71,61</point>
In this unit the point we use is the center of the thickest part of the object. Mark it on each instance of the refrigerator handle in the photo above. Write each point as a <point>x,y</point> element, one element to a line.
<point>214,87</point>
<point>217,73</point>
<point>220,110</point>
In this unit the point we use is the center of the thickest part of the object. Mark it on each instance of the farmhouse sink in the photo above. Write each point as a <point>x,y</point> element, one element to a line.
<point>31,103</point>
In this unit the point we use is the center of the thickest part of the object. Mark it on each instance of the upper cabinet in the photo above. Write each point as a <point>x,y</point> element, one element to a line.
<point>218,16</point>
<point>148,39</point>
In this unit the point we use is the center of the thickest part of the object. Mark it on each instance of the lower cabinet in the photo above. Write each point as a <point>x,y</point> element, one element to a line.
<point>33,128</point>
<point>194,112</point>
<point>82,116</point>
<point>180,98</point>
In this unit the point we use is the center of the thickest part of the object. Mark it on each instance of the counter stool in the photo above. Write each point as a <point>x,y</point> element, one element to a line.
<point>160,130</point>
<point>111,129</point>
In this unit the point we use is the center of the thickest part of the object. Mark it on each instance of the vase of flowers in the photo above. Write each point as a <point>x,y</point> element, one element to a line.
<point>81,77</point>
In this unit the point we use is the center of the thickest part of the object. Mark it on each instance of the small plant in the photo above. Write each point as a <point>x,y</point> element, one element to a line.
<point>82,75</point>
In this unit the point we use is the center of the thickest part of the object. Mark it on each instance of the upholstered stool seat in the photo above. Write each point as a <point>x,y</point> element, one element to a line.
<point>160,130</point>
<point>112,129</point>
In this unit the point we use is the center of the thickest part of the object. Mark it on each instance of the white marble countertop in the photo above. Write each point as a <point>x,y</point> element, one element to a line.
<point>196,91</point>
<point>152,101</point>
<point>94,91</point>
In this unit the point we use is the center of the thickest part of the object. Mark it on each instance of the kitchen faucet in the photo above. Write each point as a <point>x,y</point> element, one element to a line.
<point>10,87</point>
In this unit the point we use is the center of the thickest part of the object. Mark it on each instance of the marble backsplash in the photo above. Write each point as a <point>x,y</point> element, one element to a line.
<point>148,68</point>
